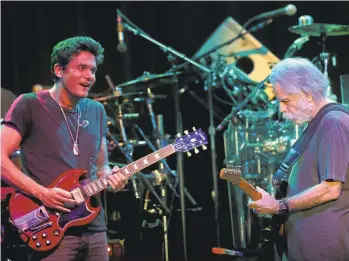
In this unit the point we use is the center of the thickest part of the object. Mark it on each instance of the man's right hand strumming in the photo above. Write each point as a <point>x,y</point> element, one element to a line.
<point>56,198</point>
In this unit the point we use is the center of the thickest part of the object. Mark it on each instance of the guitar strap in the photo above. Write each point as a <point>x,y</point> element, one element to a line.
<point>299,146</point>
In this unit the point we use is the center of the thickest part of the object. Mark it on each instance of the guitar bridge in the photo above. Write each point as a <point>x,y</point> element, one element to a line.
<point>32,220</point>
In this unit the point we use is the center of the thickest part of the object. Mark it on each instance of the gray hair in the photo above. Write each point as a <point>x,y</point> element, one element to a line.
<point>299,74</point>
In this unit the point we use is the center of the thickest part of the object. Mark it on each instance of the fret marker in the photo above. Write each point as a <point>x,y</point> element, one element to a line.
<point>105,182</point>
<point>126,171</point>
<point>135,166</point>
<point>145,161</point>
<point>90,189</point>
<point>157,156</point>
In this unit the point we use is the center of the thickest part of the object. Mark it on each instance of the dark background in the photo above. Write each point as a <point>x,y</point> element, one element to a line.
<point>29,30</point>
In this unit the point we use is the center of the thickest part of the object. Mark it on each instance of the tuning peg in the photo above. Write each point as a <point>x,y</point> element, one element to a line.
<point>204,147</point>
<point>194,129</point>
<point>188,154</point>
<point>186,132</point>
<point>196,151</point>
<point>178,135</point>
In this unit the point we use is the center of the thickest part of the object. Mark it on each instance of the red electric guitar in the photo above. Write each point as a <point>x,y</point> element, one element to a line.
<point>42,228</point>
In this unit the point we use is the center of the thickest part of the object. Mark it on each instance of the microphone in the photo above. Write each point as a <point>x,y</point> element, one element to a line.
<point>260,25</point>
<point>120,29</point>
<point>287,10</point>
<point>223,251</point>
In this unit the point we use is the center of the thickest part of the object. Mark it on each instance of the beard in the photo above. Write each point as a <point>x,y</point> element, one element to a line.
<point>302,114</point>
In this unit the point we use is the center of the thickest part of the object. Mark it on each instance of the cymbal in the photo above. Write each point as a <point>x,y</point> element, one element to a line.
<point>139,97</point>
<point>148,80</point>
<point>320,29</point>
<point>112,96</point>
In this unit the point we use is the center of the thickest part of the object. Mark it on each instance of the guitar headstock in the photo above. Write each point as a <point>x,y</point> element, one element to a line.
<point>191,141</point>
<point>231,173</point>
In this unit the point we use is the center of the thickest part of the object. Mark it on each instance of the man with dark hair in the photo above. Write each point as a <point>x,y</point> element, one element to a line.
<point>317,201</point>
<point>58,130</point>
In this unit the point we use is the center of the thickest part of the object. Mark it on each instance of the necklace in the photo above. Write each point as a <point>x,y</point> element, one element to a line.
<point>75,141</point>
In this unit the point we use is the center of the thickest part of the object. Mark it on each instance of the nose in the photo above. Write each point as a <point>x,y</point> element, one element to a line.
<point>89,75</point>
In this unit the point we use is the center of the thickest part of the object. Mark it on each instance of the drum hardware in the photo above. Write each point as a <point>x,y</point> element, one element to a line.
<point>323,31</point>
<point>175,74</point>
<point>167,170</point>
<point>113,96</point>
<point>141,177</point>
<point>320,29</point>
<point>127,148</point>
<point>148,80</point>
<point>299,42</point>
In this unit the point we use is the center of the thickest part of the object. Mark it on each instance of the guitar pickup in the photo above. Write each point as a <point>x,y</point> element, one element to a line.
<point>32,219</point>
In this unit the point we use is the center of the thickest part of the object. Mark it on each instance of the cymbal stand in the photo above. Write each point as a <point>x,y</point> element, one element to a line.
<point>169,50</point>
<point>141,176</point>
<point>167,167</point>
<point>127,144</point>
<point>325,58</point>
<point>158,134</point>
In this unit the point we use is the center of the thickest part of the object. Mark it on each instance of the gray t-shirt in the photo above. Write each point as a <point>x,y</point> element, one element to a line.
<point>47,147</point>
<point>321,233</point>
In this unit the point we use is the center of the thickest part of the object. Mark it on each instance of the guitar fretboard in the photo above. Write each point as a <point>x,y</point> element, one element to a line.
<point>100,184</point>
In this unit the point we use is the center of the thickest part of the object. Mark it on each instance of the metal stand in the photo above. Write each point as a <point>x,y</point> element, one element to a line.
<point>141,176</point>
<point>212,133</point>
<point>180,167</point>
<point>170,51</point>
<point>326,57</point>
<point>128,147</point>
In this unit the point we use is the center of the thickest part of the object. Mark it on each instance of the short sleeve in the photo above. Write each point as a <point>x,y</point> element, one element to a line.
<point>104,122</point>
<point>19,116</point>
<point>333,150</point>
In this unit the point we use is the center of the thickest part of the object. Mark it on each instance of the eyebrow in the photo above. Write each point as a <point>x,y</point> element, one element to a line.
<point>86,65</point>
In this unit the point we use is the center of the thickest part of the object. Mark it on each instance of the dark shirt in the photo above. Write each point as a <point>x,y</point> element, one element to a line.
<point>321,233</point>
<point>47,147</point>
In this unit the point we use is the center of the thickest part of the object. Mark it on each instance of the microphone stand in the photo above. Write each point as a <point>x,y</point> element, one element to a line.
<point>240,35</point>
<point>178,118</point>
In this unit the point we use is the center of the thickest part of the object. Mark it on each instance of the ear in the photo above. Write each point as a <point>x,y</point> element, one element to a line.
<point>58,70</point>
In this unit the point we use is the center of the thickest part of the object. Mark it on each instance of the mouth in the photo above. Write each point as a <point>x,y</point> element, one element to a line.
<point>86,85</point>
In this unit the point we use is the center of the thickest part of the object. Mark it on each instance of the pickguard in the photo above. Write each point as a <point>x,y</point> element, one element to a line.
<point>77,213</point>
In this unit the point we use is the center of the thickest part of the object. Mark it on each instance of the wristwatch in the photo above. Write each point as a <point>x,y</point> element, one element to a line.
<point>284,208</point>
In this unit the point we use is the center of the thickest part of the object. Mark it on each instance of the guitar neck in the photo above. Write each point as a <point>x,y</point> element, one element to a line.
<point>100,184</point>
<point>249,189</point>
